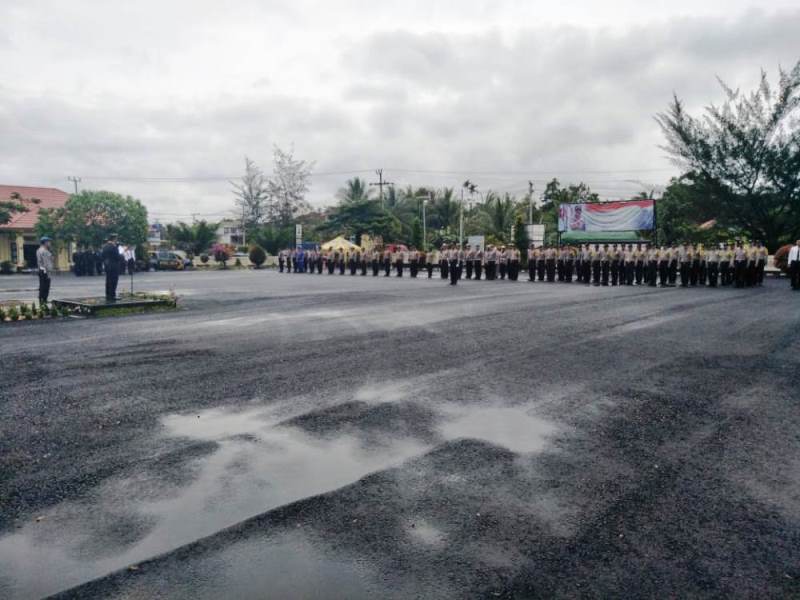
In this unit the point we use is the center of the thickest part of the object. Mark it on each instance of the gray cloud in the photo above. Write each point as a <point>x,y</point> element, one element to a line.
<point>190,94</point>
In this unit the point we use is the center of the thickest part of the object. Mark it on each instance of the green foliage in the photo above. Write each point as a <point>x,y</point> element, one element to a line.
<point>257,256</point>
<point>222,254</point>
<point>355,190</point>
<point>746,155</point>
<point>3,314</point>
<point>13,313</point>
<point>13,205</point>
<point>53,310</point>
<point>521,240</point>
<point>354,217</point>
<point>416,233</point>
<point>496,216</point>
<point>273,238</point>
<point>89,217</point>
<point>195,238</point>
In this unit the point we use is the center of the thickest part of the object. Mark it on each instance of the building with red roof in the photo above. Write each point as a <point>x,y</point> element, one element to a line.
<point>18,239</point>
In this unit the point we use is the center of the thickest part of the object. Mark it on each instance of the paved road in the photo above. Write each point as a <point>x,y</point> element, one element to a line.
<point>297,436</point>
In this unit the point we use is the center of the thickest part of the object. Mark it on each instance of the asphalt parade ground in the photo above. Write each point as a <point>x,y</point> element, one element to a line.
<point>299,436</point>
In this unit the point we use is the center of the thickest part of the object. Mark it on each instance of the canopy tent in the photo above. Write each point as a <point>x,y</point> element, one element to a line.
<point>601,237</point>
<point>339,244</point>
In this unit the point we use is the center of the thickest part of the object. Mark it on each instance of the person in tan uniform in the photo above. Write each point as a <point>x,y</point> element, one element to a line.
<point>431,258</point>
<point>477,263</point>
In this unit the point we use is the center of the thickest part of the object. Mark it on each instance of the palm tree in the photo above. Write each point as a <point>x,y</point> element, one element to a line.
<point>496,215</point>
<point>355,190</point>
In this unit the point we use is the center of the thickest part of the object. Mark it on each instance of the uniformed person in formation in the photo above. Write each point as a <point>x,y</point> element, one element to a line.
<point>431,258</point>
<point>387,262</point>
<point>793,260</point>
<point>413,262</point>
<point>375,259</point>
<point>712,266</point>
<point>477,260</point>
<point>491,263</point>
<point>452,260</point>
<point>444,264</point>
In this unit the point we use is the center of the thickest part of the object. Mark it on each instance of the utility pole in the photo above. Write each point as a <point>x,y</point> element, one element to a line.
<point>425,200</point>
<point>74,180</point>
<point>380,183</point>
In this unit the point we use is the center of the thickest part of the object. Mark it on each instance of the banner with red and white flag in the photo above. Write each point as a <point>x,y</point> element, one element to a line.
<point>607,216</point>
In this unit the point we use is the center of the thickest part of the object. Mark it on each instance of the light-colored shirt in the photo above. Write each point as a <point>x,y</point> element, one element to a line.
<point>794,254</point>
<point>44,260</point>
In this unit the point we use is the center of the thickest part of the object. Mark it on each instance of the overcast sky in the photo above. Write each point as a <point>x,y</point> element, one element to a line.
<point>431,91</point>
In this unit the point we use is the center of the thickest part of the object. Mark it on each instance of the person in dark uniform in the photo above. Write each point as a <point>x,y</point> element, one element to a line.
<point>596,266</point>
<point>375,260</point>
<point>638,264</point>
<point>431,257</point>
<point>413,262</point>
<point>352,261</point>
<point>673,265</point>
<point>469,258</point>
<point>341,261</point>
<point>491,263</point>
<point>319,262</point>
<point>111,264</point>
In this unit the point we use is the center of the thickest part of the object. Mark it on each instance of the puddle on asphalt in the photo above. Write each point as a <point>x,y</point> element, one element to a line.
<point>256,467</point>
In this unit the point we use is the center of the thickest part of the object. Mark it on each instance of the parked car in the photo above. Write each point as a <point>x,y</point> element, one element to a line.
<point>166,260</point>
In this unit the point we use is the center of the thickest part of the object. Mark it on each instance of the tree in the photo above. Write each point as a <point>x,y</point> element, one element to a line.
<point>15,204</point>
<point>496,216</point>
<point>252,195</point>
<point>90,217</point>
<point>554,196</point>
<point>362,216</point>
<point>288,186</point>
<point>416,234</point>
<point>355,190</point>
<point>195,238</point>
<point>521,240</point>
<point>746,154</point>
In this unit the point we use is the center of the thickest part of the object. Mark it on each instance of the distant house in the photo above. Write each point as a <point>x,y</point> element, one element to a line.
<point>18,239</point>
<point>230,232</point>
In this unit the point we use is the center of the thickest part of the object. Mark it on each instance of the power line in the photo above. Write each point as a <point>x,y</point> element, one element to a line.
<point>74,180</point>
<point>380,183</point>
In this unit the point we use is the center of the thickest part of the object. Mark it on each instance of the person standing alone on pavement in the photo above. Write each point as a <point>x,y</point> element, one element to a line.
<point>794,265</point>
<point>111,263</point>
<point>46,265</point>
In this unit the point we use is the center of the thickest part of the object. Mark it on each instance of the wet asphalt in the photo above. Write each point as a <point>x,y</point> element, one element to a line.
<point>298,436</point>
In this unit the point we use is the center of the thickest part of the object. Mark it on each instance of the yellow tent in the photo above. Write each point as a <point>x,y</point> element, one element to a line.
<point>339,244</point>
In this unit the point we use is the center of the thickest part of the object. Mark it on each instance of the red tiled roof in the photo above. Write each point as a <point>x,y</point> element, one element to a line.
<point>49,198</point>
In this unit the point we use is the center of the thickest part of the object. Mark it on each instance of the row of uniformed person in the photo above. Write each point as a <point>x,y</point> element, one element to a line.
<point>602,265</point>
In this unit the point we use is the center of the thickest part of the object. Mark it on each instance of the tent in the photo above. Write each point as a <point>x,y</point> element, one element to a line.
<point>339,244</point>
<point>601,237</point>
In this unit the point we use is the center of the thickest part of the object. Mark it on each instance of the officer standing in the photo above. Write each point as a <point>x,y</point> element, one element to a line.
<point>712,266</point>
<point>793,260</point>
<point>477,260</point>
<point>470,256</point>
<point>443,264</point>
<point>111,262</point>
<point>431,258</point>
<point>413,262</point>
<point>45,265</point>
<point>452,259</point>
<point>491,263</point>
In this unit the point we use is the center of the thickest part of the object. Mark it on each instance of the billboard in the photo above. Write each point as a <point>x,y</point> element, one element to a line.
<point>477,242</point>
<point>607,216</point>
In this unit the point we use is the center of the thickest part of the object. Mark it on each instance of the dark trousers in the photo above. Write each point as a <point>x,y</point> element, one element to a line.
<point>513,270</point>
<point>550,267</point>
<point>319,266</point>
<point>685,267</point>
<point>375,268</point>
<point>560,269</point>
<point>760,272</point>
<point>387,267</point>
<point>429,268</point>
<point>443,270</point>
<point>540,268</point>
<point>280,265</point>
<point>399,267</point>
<point>469,269</point>
<point>596,272</point>
<point>663,273</point>
<point>579,270</point>
<point>503,269</point>
<point>652,269</point>
<point>491,270</point>
<point>331,266</point>
<point>453,272</point>
<point>694,272</point>
<point>569,266</point>
<point>711,271</point>
<point>586,267</point>
<point>44,287</point>
<point>413,267</point>
<point>606,268</point>
<point>725,272</point>
<point>112,278</point>
<point>739,272</point>
<point>630,269</point>
<point>352,264</point>
<point>614,272</point>
<point>531,270</point>
<point>478,269</point>
<point>794,274</point>
<point>673,272</point>
<point>363,267</point>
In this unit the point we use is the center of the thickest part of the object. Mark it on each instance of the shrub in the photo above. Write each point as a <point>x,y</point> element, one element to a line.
<point>238,263</point>
<point>257,256</point>
<point>204,258</point>
<point>13,313</point>
<point>6,267</point>
<point>2,314</point>
<point>222,254</point>
<point>53,310</point>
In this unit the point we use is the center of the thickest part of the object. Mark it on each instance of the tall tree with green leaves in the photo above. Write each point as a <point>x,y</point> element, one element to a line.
<point>13,205</point>
<point>89,217</point>
<point>521,239</point>
<point>746,154</point>
<point>355,190</point>
<point>195,238</point>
